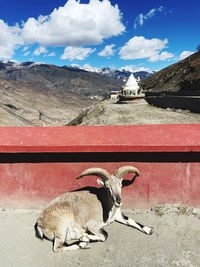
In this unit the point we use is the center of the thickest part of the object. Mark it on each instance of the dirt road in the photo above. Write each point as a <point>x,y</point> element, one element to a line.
<point>175,242</point>
<point>108,112</point>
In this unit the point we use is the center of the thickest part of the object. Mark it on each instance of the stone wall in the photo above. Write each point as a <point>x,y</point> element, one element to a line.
<point>191,103</point>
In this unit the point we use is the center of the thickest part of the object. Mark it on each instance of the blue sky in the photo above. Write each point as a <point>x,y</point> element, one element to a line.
<point>134,35</point>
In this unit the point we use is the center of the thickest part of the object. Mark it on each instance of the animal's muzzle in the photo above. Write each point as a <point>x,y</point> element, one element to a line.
<point>118,200</point>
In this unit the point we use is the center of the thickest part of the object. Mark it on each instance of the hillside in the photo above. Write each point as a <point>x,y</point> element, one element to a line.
<point>34,104</point>
<point>60,79</point>
<point>182,78</point>
<point>47,95</point>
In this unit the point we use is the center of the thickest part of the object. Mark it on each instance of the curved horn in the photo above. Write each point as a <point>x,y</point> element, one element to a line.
<point>95,171</point>
<point>124,170</point>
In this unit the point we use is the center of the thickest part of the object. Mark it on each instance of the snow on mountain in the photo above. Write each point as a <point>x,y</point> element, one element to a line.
<point>119,74</point>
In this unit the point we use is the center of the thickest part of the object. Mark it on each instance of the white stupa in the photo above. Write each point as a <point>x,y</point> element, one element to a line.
<point>131,87</point>
<point>130,92</point>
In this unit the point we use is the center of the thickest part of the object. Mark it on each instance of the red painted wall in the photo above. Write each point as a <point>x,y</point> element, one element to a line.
<point>136,138</point>
<point>31,185</point>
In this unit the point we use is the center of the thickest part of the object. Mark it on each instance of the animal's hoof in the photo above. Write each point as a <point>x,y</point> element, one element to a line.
<point>148,230</point>
<point>84,245</point>
<point>152,231</point>
<point>87,246</point>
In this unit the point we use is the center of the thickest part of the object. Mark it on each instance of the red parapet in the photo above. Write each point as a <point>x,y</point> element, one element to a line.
<point>138,138</point>
<point>33,169</point>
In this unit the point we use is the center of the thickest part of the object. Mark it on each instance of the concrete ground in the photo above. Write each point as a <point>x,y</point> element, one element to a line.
<point>175,242</point>
<point>108,112</point>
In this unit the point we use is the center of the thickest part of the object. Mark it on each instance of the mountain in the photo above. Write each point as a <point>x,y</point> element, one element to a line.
<point>118,74</point>
<point>177,86</point>
<point>25,103</point>
<point>37,94</point>
<point>124,74</point>
<point>182,78</point>
<point>60,79</point>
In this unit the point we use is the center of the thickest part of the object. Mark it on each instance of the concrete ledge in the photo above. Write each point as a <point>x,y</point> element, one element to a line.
<point>37,164</point>
<point>134,138</point>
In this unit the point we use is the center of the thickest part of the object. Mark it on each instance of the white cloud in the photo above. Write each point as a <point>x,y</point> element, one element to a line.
<point>75,66</point>
<point>143,69</point>
<point>107,51</point>
<point>185,54</point>
<point>87,67</point>
<point>162,56</point>
<point>27,53</point>
<point>40,50</point>
<point>9,40</point>
<point>75,24</point>
<point>25,48</point>
<point>127,68</point>
<point>139,47</point>
<point>78,53</point>
<point>52,54</point>
<point>141,17</point>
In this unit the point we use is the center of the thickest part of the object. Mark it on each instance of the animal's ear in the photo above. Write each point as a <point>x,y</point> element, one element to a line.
<point>100,182</point>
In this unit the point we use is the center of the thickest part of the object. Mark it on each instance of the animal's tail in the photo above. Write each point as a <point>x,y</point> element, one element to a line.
<point>38,231</point>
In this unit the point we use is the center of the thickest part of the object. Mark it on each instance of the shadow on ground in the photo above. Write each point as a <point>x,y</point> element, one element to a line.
<point>175,242</point>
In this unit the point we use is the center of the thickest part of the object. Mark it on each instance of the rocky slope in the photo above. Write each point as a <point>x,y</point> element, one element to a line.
<point>177,86</point>
<point>34,104</point>
<point>47,95</point>
<point>182,78</point>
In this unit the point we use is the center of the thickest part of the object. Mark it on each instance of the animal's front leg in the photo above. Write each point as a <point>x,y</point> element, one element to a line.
<point>59,246</point>
<point>100,235</point>
<point>121,218</point>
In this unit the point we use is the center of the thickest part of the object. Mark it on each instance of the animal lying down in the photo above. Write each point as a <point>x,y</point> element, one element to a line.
<point>74,219</point>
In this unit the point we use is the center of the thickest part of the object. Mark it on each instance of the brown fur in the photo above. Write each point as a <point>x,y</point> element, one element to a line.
<point>74,219</point>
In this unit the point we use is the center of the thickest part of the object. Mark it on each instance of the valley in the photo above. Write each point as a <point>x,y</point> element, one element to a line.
<point>38,94</point>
